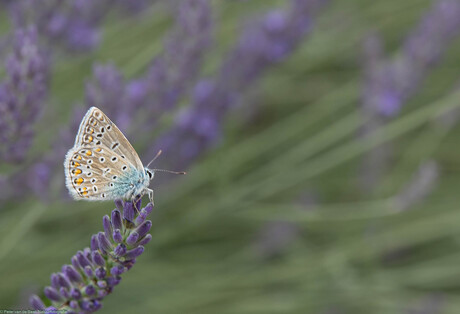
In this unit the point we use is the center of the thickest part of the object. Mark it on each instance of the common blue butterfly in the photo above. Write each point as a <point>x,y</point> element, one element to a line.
<point>103,165</point>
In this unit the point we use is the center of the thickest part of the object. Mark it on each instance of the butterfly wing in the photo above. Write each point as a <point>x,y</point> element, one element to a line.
<point>102,164</point>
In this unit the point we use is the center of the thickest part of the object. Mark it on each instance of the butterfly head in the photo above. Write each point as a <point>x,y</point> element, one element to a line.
<point>150,173</point>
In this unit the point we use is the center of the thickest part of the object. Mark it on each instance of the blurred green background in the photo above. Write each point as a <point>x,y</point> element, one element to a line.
<point>276,219</point>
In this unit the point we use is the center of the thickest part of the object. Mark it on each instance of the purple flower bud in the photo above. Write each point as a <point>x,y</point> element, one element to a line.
<point>75,293</point>
<point>145,240</point>
<point>102,284</point>
<point>73,304</point>
<point>129,264</point>
<point>117,270</point>
<point>64,282</point>
<point>116,219</point>
<point>36,303</point>
<point>90,306</point>
<point>75,262</point>
<point>89,271</point>
<point>119,204</point>
<point>87,253</point>
<point>148,209</point>
<point>144,228</point>
<point>72,274</point>
<point>64,292</point>
<point>51,310</point>
<point>107,226</point>
<point>55,281</point>
<point>132,238</point>
<point>102,293</point>
<point>111,281</point>
<point>82,260</point>
<point>94,243</point>
<point>97,305</point>
<point>52,294</point>
<point>120,250</point>
<point>100,274</point>
<point>117,237</point>
<point>128,211</point>
<point>104,243</point>
<point>140,218</point>
<point>90,290</point>
<point>98,259</point>
<point>134,253</point>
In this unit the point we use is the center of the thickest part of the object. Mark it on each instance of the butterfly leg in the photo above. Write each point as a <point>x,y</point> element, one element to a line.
<point>135,206</point>
<point>150,192</point>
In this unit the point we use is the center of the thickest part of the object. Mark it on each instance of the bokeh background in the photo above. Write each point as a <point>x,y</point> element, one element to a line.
<point>320,139</point>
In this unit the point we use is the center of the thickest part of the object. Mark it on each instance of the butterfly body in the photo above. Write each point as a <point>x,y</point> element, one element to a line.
<point>103,165</point>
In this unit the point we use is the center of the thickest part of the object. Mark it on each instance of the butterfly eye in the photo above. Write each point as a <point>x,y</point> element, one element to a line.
<point>150,174</point>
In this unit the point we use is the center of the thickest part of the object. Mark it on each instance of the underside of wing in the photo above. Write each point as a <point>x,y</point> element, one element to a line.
<point>97,130</point>
<point>95,174</point>
<point>102,165</point>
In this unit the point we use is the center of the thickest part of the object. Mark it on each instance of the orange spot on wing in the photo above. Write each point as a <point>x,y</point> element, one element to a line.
<point>88,153</point>
<point>79,181</point>
<point>76,171</point>
<point>84,193</point>
<point>98,149</point>
<point>75,164</point>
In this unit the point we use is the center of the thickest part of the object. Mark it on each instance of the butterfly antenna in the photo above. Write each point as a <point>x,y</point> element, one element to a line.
<point>169,171</point>
<point>154,158</point>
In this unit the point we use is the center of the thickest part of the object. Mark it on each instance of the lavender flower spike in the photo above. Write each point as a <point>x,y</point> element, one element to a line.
<point>22,95</point>
<point>95,272</point>
<point>397,79</point>
<point>267,41</point>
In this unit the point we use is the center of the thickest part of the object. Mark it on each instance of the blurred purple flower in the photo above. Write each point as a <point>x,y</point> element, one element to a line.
<point>74,24</point>
<point>168,77</point>
<point>22,95</point>
<point>106,90</point>
<point>390,82</point>
<point>265,42</point>
<point>95,271</point>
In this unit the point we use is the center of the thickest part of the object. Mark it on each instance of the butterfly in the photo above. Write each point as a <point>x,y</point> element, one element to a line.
<point>103,165</point>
